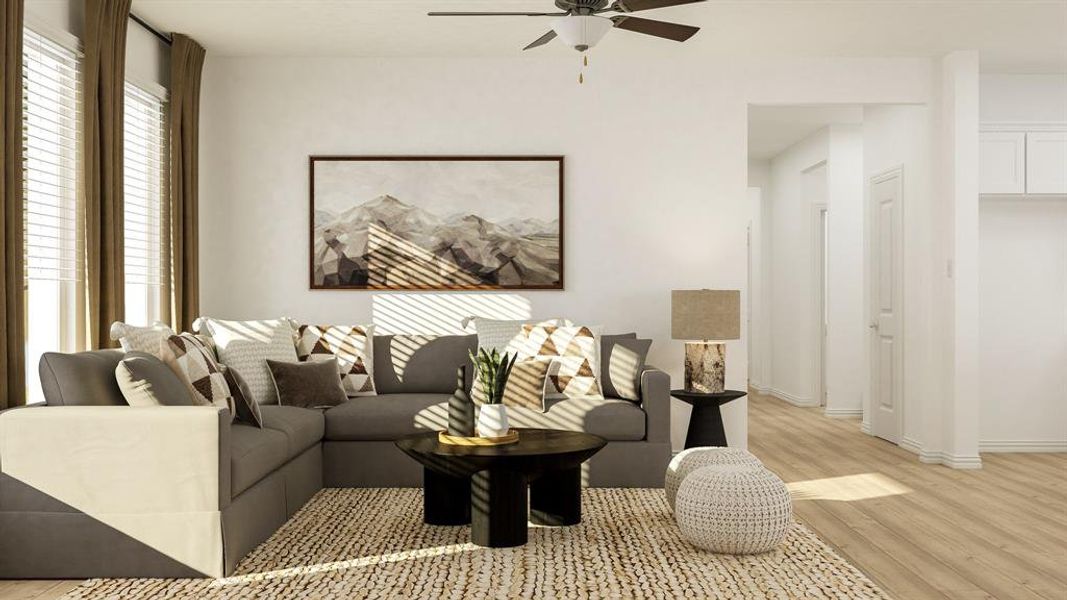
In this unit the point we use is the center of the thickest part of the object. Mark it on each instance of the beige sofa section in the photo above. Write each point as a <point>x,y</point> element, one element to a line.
<point>157,476</point>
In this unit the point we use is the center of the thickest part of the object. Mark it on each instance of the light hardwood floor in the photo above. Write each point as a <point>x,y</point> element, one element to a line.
<point>921,531</point>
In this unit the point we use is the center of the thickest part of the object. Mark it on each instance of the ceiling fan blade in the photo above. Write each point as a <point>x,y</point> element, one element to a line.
<point>629,6</point>
<point>661,29</point>
<point>541,41</point>
<point>494,14</point>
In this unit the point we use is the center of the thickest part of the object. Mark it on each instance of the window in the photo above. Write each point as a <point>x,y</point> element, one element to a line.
<point>145,172</point>
<point>53,216</point>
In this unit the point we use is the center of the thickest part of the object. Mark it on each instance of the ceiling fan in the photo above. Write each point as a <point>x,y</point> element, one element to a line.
<point>581,27</point>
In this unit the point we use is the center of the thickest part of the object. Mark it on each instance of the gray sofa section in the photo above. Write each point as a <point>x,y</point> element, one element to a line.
<point>265,475</point>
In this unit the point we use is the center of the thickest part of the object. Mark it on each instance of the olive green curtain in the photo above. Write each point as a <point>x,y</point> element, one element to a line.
<point>186,65</point>
<point>13,283</point>
<point>103,97</point>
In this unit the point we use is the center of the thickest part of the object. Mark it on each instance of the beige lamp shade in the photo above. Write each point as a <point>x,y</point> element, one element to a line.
<point>706,314</point>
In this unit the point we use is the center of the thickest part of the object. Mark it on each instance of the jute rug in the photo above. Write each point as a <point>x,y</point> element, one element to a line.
<point>371,543</point>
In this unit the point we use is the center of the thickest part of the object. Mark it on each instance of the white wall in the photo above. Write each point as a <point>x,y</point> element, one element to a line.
<point>825,168</point>
<point>656,199</point>
<point>798,182</point>
<point>1022,98</point>
<point>1024,324</point>
<point>147,57</point>
<point>901,136</point>
<point>847,324</point>
<point>1023,293</point>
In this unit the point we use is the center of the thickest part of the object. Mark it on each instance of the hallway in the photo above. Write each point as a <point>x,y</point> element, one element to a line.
<point>921,531</point>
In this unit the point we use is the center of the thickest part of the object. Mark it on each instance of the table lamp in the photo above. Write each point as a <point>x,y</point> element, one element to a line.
<point>711,316</point>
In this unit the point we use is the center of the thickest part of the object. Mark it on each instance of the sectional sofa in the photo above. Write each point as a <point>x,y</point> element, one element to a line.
<point>91,487</point>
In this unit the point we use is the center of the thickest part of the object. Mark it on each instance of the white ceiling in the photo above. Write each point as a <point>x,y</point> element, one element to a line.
<point>772,129</point>
<point>1012,35</point>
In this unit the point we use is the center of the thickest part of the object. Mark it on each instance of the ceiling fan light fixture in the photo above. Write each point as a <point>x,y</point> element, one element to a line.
<point>582,32</point>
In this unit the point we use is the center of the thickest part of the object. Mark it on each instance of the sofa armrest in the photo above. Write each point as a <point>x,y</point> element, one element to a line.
<point>121,459</point>
<point>656,400</point>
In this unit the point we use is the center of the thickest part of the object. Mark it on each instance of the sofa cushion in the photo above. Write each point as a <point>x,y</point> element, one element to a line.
<point>81,378</point>
<point>386,417</point>
<point>147,381</point>
<point>303,427</point>
<point>395,415</point>
<point>416,364</point>
<point>612,419</point>
<point>254,454</point>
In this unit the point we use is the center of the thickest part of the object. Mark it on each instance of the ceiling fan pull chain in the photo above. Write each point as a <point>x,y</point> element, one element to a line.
<point>581,73</point>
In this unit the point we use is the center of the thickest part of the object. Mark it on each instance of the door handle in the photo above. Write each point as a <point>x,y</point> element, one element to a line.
<point>873,325</point>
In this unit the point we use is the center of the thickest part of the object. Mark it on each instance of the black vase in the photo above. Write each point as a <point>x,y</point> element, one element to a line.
<point>461,407</point>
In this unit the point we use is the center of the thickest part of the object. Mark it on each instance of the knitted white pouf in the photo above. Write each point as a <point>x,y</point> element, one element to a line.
<point>687,461</point>
<point>734,509</point>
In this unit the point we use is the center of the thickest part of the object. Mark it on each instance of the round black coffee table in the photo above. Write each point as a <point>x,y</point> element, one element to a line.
<point>486,485</point>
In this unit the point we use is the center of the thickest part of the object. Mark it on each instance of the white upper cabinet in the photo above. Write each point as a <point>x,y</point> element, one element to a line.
<point>1002,158</point>
<point>1046,162</point>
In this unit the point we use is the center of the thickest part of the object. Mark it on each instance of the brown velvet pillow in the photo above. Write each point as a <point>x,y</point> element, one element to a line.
<point>314,384</point>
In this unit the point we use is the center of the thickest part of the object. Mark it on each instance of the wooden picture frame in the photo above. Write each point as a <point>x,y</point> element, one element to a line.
<point>463,223</point>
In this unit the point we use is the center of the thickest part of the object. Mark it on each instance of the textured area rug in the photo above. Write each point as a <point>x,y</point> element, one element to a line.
<point>371,543</point>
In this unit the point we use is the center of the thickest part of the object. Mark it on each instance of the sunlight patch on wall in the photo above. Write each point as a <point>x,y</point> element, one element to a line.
<point>848,488</point>
<point>442,314</point>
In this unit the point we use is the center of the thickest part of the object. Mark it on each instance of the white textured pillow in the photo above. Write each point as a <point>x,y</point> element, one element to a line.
<point>497,334</point>
<point>245,347</point>
<point>150,340</point>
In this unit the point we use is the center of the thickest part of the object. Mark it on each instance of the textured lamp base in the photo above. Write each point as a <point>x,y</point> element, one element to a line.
<point>705,367</point>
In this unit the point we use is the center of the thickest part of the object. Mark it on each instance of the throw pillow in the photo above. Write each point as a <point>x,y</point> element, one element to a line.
<point>146,381</point>
<point>497,334</point>
<point>621,371</point>
<point>607,342</point>
<point>307,384</point>
<point>350,346</point>
<point>245,346</point>
<point>152,340</point>
<point>247,409</point>
<point>200,372</point>
<point>525,387</point>
<point>574,349</point>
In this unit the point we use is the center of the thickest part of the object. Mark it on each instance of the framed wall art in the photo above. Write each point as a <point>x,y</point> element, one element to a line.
<point>436,222</point>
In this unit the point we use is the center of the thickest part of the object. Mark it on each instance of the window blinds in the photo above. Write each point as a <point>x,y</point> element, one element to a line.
<point>51,144</point>
<point>145,173</point>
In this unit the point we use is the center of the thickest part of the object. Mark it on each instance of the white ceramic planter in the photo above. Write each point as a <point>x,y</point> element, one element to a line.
<point>493,420</point>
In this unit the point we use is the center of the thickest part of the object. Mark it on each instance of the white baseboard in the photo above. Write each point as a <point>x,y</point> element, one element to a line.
<point>761,389</point>
<point>1022,446</point>
<point>790,398</point>
<point>953,461</point>
<point>911,445</point>
<point>865,427</point>
<point>844,413</point>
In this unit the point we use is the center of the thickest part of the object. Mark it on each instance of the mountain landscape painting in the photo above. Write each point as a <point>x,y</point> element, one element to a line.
<point>441,223</point>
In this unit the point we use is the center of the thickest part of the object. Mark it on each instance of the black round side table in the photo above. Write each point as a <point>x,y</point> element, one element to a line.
<point>705,424</point>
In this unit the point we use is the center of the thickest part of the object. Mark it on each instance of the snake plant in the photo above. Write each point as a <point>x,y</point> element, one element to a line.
<point>494,368</point>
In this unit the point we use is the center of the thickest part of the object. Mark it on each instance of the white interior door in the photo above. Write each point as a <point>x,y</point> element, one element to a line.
<point>887,354</point>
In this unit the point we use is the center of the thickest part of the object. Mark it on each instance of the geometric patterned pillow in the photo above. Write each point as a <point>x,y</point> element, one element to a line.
<point>576,352</point>
<point>198,368</point>
<point>350,345</point>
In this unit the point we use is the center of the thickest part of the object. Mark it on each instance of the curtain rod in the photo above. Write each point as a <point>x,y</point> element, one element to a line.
<point>166,39</point>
